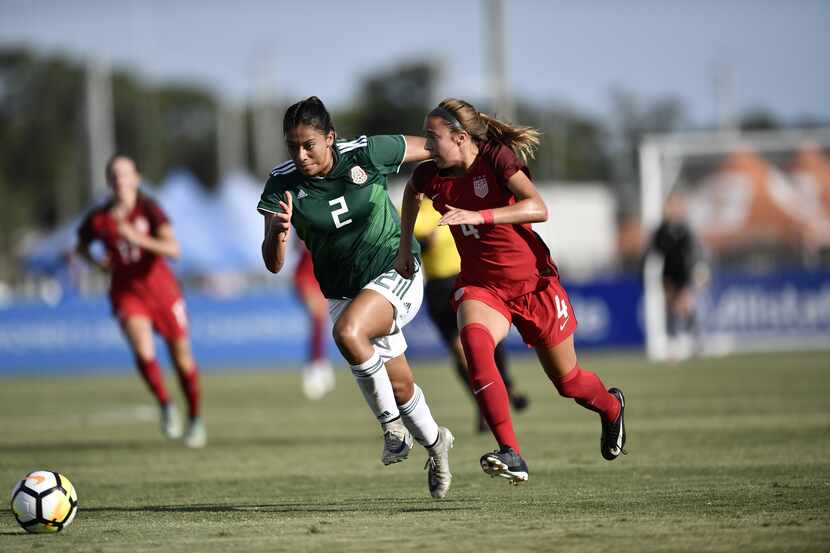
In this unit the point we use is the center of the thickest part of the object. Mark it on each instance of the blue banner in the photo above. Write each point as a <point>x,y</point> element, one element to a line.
<point>268,328</point>
<point>259,329</point>
<point>763,312</point>
<point>609,313</point>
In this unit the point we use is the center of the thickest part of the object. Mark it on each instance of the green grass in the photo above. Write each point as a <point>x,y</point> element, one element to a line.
<point>724,455</point>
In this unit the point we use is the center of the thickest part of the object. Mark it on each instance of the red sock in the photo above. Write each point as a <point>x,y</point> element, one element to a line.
<point>318,336</point>
<point>587,390</point>
<point>190,386</point>
<point>151,372</point>
<point>486,383</point>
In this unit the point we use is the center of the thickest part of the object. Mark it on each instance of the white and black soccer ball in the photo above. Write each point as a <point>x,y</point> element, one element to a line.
<point>44,501</point>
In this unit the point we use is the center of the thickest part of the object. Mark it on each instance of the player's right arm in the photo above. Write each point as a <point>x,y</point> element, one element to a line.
<point>277,226</point>
<point>405,262</point>
<point>416,150</point>
<point>85,238</point>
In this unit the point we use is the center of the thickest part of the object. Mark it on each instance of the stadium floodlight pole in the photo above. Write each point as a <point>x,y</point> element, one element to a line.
<point>99,124</point>
<point>495,48</point>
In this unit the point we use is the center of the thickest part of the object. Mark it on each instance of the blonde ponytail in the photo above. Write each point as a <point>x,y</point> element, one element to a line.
<point>482,127</point>
<point>522,140</point>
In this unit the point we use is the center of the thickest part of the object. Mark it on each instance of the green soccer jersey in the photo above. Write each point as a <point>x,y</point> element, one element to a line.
<point>346,218</point>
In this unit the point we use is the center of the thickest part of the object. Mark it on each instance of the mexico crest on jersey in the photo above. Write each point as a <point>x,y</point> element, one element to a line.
<point>358,175</point>
<point>480,186</point>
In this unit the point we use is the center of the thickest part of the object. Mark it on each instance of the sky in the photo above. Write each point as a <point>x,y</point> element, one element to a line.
<point>569,53</point>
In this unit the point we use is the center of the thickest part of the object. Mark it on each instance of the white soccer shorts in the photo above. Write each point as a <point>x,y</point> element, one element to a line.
<point>405,295</point>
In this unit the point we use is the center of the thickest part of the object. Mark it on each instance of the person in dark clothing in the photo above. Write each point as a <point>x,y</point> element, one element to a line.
<point>675,242</point>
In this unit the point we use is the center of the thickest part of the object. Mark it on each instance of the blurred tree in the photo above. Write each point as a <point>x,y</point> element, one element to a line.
<point>189,131</point>
<point>393,101</point>
<point>139,124</point>
<point>632,118</point>
<point>572,146</point>
<point>810,122</point>
<point>263,128</point>
<point>41,144</point>
<point>758,119</point>
<point>165,127</point>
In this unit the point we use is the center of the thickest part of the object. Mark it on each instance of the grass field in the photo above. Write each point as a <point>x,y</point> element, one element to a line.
<point>724,455</point>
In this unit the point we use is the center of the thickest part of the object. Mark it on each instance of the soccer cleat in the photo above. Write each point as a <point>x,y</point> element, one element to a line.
<point>506,463</point>
<point>397,441</point>
<point>318,379</point>
<point>171,424</point>
<point>196,435</point>
<point>438,464</point>
<point>612,443</point>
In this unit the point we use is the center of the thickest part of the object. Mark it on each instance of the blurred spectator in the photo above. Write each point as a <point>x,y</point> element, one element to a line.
<point>318,374</point>
<point>683,274</point>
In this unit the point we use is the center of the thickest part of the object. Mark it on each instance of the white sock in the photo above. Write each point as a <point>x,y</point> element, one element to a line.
<point>373,381</point>
<point>417,417</point>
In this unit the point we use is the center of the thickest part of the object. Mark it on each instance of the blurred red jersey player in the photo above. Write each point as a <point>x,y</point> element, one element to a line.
<point>144,294</point>
<point>318,373</point>
<point>484,193</point>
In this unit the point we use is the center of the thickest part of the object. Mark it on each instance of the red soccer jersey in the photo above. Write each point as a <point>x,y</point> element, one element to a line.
<point>133,269</point>
<point>507,259</point>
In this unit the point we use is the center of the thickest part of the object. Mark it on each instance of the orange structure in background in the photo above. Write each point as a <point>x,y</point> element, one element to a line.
<point>749,201</point>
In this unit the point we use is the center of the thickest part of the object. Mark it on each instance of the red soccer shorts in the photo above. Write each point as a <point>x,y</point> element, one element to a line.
<point>166,311</point>
<point>544,317</point>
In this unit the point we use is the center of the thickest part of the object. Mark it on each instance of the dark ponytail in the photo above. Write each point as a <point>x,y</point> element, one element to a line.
<point>311,112</point>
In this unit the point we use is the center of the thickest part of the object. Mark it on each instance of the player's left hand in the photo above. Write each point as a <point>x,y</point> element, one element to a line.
<point>405,263</point>
<point>281,223</point>
<point>456,216</point>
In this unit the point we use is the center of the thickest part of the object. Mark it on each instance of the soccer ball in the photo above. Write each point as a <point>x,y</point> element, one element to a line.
<point>44,501</point>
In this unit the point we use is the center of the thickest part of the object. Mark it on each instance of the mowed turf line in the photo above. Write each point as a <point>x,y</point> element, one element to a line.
<point>725,455</point>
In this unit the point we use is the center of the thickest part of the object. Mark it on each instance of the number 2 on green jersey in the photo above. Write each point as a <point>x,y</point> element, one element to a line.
<point>341,201</point>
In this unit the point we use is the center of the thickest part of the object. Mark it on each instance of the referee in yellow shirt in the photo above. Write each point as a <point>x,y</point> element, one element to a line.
<point>441,265</point>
